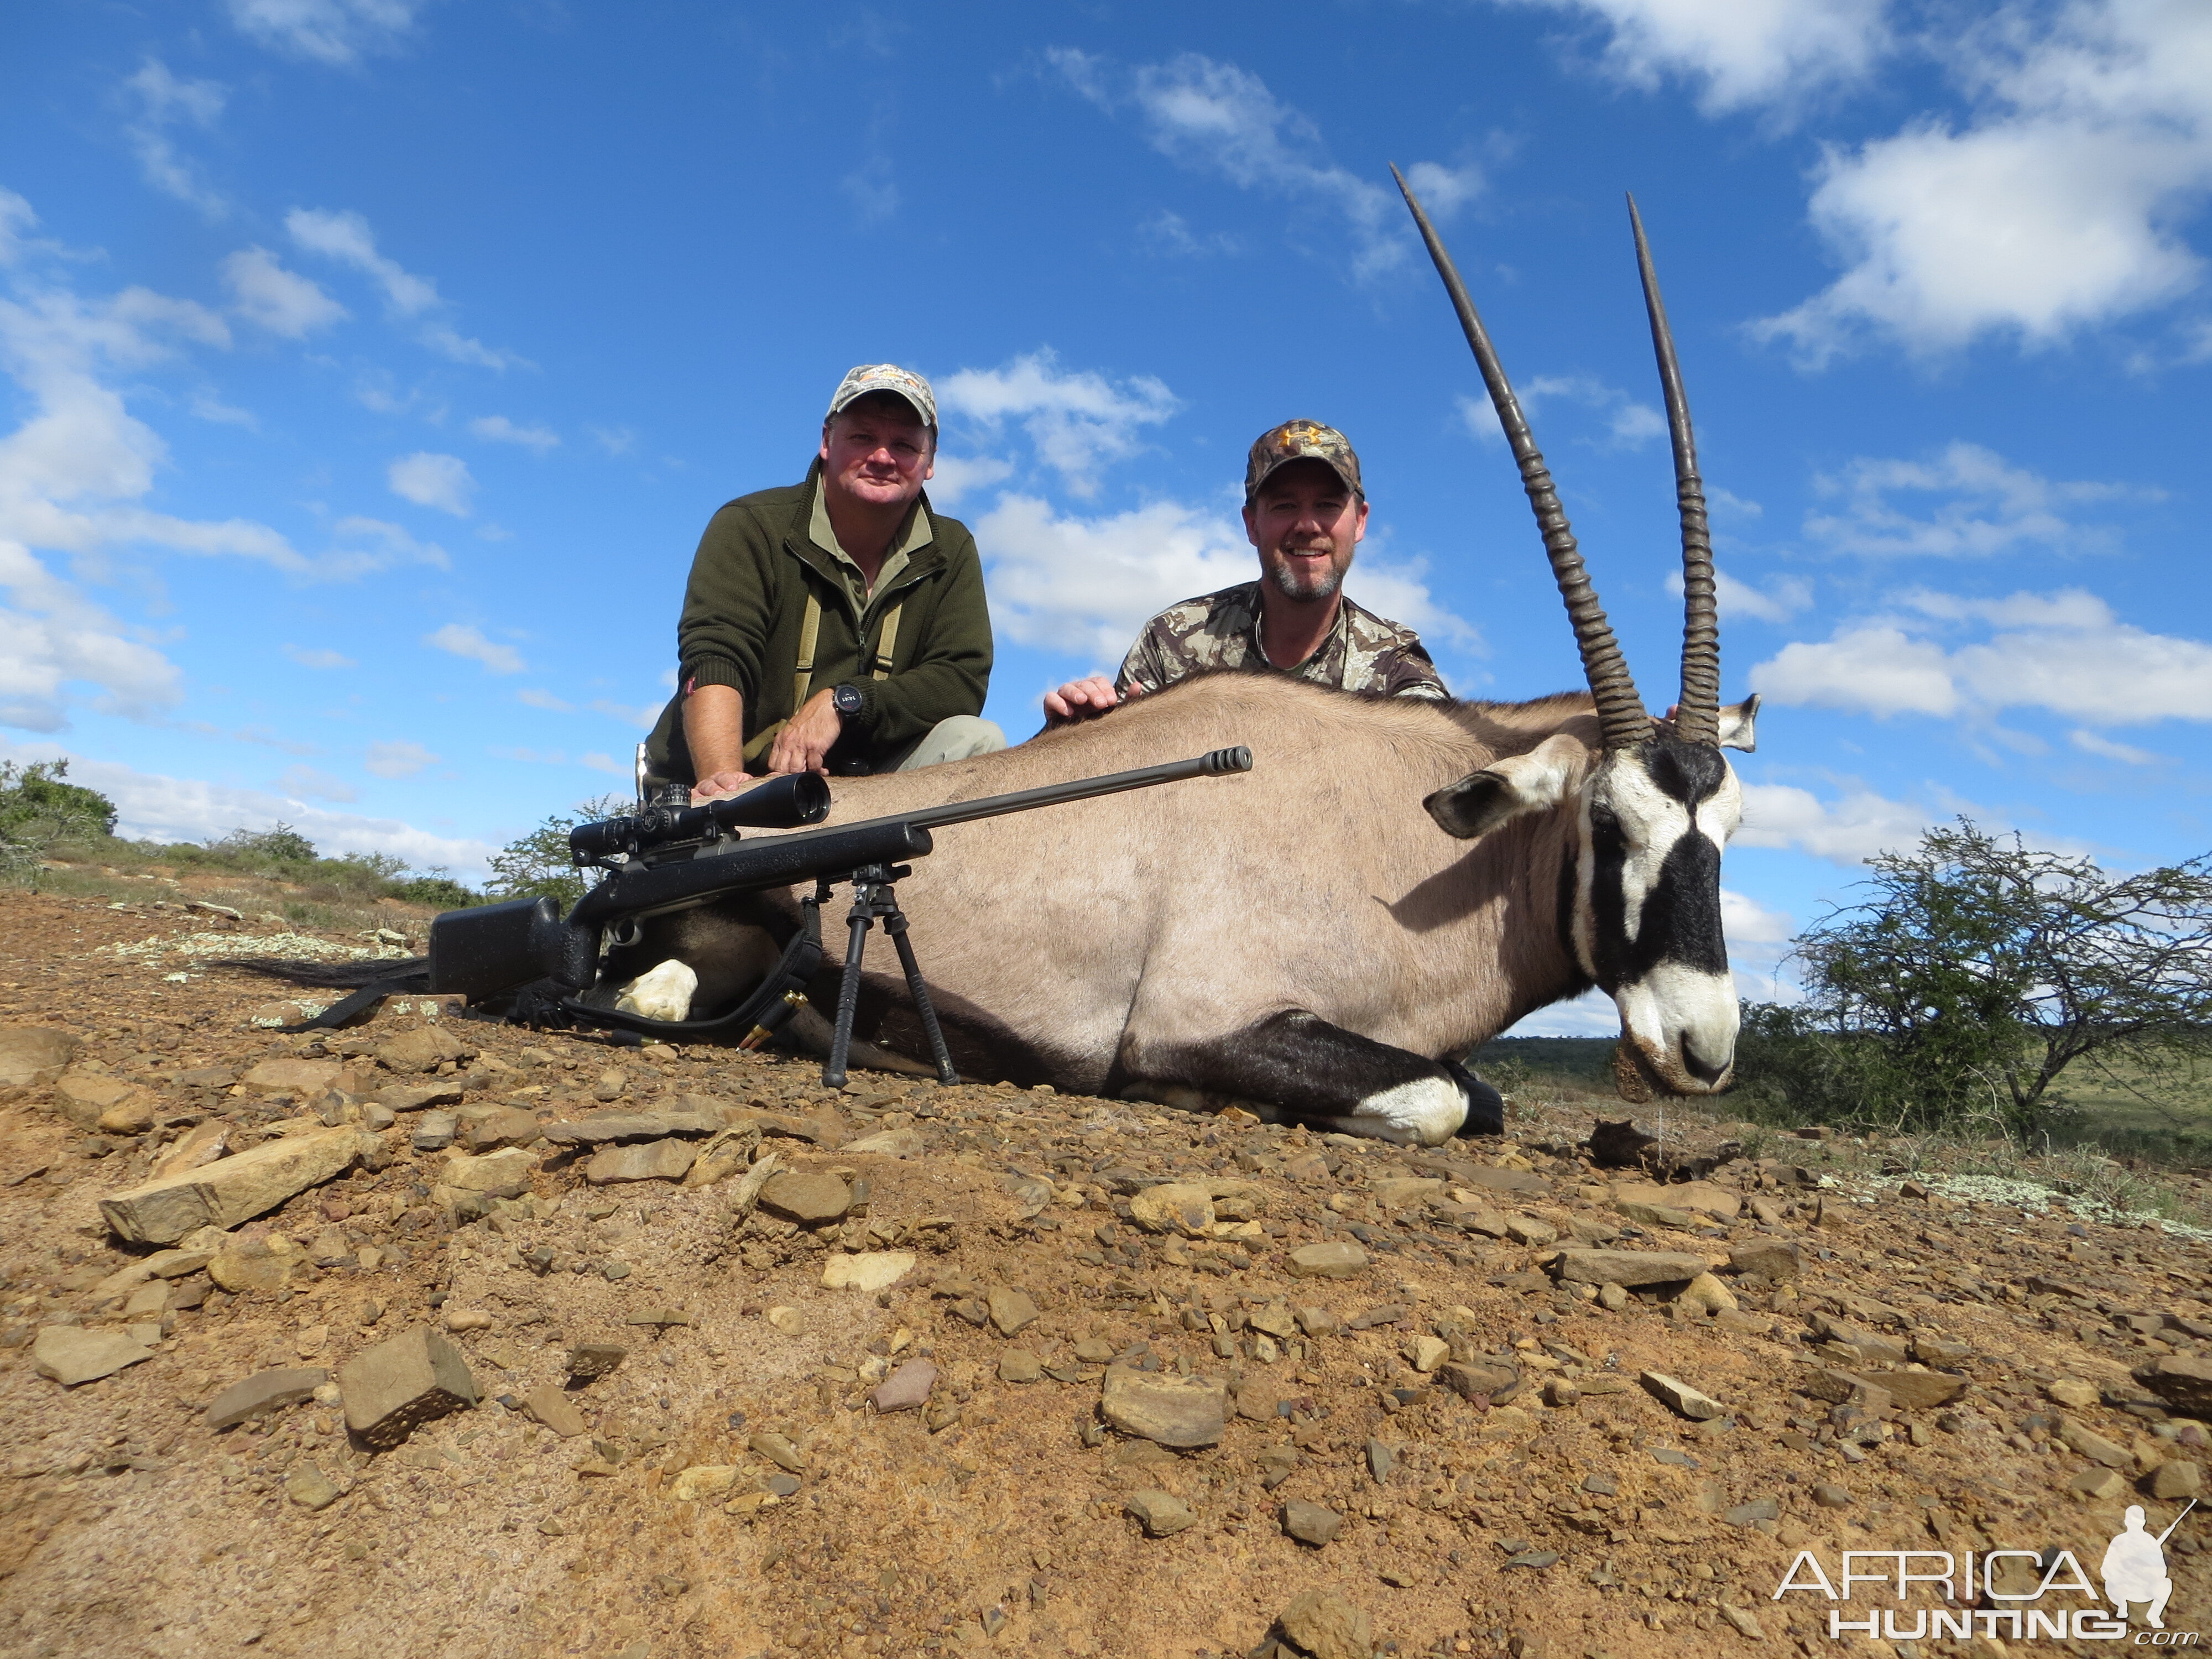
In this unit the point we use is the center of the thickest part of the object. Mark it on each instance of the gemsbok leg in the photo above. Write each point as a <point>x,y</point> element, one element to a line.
<point>1295,1065</point>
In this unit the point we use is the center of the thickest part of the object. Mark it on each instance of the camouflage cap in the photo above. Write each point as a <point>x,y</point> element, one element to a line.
<point>863,378</point>
<point>1302,441</point>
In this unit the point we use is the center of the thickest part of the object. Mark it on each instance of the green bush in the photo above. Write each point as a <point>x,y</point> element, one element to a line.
<point>40,809</point>
<point>1976,972</point>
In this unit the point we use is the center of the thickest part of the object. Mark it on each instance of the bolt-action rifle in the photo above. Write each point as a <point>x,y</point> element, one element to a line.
<point>669,858</point>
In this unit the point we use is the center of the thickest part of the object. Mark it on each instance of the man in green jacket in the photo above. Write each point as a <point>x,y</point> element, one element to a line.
<point>836,625</point>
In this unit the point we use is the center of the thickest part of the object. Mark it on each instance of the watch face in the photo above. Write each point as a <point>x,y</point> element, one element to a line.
<point>846,700</point>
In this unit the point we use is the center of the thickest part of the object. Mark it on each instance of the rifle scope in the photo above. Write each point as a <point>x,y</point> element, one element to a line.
<point>785,803</point>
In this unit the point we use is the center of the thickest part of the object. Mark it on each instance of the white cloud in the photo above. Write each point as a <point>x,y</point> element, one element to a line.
<point>538,699</point>
<point>346,238</point>
<point>957,476</point>
<point>397,758</point>
<point>1848,830</point>
<point>1995,508</point>
<point>326,31</point>
<point>2054,206</point>
<point>872,189</point>
<point>1170,234</point>
<point>1783,597</point>
<point>318,657</point>
<point>1740,52</point>
<point>152,807</point>
<point>206,406</point>
<point>498,429</point>
<point>615,439</point>
<point>308,784</point>
<point>2090,743</point>
<point>433,480</point>
<point>1085,586</point>
<point>17,220</point>
<point>53,638</point>
<point>593,762</point>
<point>163,102</point>
<point>1629,424</point>
<point>644,716</point>
<point>283,301</point>
<point>362,545</point>
<point>2065,653</point>
<point>463,640</point>
<point>1747,923</point>
<point>1219,118</point>
<point>1078,421</point>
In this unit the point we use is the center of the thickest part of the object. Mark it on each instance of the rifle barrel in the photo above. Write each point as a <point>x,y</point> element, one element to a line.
<point>1215,764</point>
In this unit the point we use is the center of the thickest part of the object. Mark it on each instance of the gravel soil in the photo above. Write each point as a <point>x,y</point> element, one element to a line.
<point>1569,1511</point>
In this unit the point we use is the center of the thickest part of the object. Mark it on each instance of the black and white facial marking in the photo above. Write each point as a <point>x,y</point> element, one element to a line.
<point>1647,914</point>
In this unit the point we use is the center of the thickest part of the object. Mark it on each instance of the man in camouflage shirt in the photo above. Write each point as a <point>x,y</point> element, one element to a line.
<point>1305,512</point>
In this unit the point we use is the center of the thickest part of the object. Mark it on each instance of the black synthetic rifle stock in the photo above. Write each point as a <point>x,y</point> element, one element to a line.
<point>492,948</point>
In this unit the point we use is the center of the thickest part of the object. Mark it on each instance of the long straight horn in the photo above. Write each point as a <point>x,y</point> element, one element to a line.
<point>1620,711</point>
<point>1698,718</point>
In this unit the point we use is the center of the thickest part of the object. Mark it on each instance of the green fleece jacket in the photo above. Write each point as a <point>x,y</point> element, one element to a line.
<point>745,603</point>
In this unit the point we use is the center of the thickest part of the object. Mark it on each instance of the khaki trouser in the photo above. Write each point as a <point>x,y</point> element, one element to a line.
<point>963,736</point>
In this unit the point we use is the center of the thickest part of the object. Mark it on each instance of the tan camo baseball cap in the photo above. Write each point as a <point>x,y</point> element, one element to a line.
<point>1302,441</point>
<point>863,378</point>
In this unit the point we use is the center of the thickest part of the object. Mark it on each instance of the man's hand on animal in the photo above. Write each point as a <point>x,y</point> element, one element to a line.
<point>805,743</point>
<point>1084,700</point>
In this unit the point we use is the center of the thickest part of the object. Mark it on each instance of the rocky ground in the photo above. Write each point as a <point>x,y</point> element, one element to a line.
<point>441,1337</point>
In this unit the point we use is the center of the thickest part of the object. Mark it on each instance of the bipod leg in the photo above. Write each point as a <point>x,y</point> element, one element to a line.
<point>848,987</point>
<point>895,925</point>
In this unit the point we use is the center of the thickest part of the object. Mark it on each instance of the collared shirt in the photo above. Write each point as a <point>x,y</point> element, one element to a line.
<point>918,532</point>
<point>1361,652</point>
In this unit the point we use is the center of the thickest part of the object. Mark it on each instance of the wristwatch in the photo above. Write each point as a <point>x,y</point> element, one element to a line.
<point>846,700</point>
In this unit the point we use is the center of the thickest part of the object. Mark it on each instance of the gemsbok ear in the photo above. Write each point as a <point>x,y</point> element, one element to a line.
<point>1507,789</point>
<point>1738,724</point>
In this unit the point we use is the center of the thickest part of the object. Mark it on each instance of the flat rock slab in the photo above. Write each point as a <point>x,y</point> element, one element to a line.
<point>1681,1398</point>
<point>83,1096</point>
<point>1337,1259</point>
<point>1702,1197</point>
<point>502,1173</point>
<point>1401,1191</point>
<point>590,1360</point>
<point>1173,1206</point>
<point>1011,1310</point>
<point>1168,1410</point>
<point>72,1355</point>
<point>266,1265</point>
<point>424,1049</point>
<point>2182,1380</point>
<point>649,1160</point>
<point>402,1383</point>
<point>551,1404</point>
<point>1501,1181</point>
<point>889,1143</point>
<point>1311,1523</point>
<point>231,1189</point>
<point>811,1199</point>
<point>596,1128</point>
<point>310,1488</point>
<point>1631,1269</point>
<point>1776,1258</point>
<point>310,1078</point>
<point>1918,1390</point>
<point>1494,1380</point>
<point>1326,1625</point>
<point>907,1389</point>
<point>32,1056</point>
<point>415,1097</point>
<point>868,1272</point>
<point>264,1392</point>
<point>1160,1513</point>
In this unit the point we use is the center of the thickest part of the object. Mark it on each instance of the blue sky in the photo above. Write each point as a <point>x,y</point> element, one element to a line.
<point>373,366</point>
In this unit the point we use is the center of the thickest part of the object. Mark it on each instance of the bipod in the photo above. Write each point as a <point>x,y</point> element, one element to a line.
<point>874,897</point>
